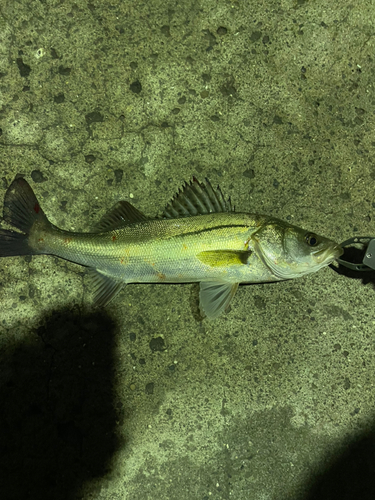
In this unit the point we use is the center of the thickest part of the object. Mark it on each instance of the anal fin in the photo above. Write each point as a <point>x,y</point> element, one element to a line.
<point>215,297</point>
<point>105,287</point>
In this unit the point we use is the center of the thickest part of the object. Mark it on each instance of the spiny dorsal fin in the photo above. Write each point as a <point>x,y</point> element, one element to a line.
<point>196,198</point>
<point>122,214</point>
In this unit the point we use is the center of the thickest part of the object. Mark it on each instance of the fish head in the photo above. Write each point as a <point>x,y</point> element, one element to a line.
<point>290,251</point>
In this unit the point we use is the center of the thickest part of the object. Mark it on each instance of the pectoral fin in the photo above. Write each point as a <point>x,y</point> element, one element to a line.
<point>105,287</point>
<point>215,297</point>
<point>221,258</point>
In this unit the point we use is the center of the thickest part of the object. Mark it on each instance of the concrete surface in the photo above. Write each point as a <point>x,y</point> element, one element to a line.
<point>102,101</point>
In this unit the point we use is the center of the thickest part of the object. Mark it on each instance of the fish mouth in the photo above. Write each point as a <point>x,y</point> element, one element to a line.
<point>328,255</point>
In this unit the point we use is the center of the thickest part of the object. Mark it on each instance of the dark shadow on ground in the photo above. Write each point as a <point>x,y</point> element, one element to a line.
<point>349,475</point>
<point>57,415</point>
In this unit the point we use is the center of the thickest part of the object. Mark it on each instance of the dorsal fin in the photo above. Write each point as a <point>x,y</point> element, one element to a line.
<point>122,214</point>
<point>196,198</point>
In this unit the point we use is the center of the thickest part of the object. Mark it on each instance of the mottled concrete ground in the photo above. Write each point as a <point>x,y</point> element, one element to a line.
<point>101,101</point>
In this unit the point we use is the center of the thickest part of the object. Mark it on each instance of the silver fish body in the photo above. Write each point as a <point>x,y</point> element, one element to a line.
<point>198,239</point>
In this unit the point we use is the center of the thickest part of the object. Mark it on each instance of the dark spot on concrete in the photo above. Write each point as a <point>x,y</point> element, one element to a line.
<point>90,158</point>
<point>255,36</point>
<point>136,87</point>
<point>132,337</point>
<point>141,321</point>
<point>249,173</point>
<point>259,302</point>
<point>346,196</point>
<point>23,68</point>
<point>149,389</point>
<point>54,54</point>
<point>94,117</point>
<point>64,71</point>
<point>221,31</point>
<point>211,38</point>
<point>37,176</point>
<point>157,344</point>
<point>118,175</point>
<point>338,312</point>
<point>228,89</point>
<point>165,30</point>
<point>59,98</point>
<point>63,205</point>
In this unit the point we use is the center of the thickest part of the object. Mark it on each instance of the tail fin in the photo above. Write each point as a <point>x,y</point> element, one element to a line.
<point>12,243</point>
<point>21,210</point>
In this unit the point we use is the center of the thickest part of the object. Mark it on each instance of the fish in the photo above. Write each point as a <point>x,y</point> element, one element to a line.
<point>199,237</point>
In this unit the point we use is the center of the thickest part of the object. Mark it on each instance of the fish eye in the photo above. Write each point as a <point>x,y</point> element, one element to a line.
<point>311,239</point>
